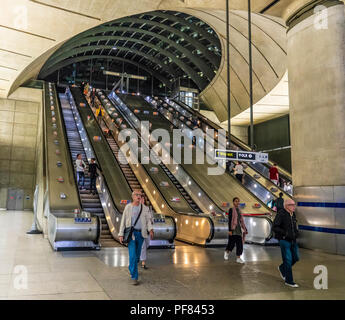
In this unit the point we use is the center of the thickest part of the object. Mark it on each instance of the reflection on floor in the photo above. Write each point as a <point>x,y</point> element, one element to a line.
<point>186,272</point>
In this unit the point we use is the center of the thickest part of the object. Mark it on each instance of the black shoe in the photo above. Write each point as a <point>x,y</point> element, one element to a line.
<point>144,267</point>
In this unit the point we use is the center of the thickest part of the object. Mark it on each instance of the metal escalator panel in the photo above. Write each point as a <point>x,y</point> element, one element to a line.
<point>90,202</point>
<point>63,196</point>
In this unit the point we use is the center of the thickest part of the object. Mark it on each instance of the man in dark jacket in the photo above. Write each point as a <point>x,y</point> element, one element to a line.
<point>285,229</point>
<point>93,166</point>
<point>279,202</point>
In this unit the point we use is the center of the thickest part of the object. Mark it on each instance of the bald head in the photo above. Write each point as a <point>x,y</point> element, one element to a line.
<point>289,205</point>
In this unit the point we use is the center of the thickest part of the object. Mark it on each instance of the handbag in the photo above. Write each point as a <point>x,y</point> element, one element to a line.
<point>127,234</point>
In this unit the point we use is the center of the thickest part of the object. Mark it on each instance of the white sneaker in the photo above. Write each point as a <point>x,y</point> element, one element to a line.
<point>239,260</point>
<point>281,275</point>
<point>292,285</point>
<point>226,255</point>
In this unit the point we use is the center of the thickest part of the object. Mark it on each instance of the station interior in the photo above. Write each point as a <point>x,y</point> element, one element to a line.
<point>169,97</point>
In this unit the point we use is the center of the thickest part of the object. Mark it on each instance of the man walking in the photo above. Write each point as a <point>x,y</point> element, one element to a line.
<point>285,228</point>
<point>142,227</point>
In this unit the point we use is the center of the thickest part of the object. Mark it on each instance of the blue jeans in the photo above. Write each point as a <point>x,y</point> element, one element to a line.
<point>134,249</point>
<point>290,256</point>
<point>80,178</point>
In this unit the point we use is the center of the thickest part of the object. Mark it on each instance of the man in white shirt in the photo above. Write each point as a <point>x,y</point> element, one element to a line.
<point>80,168</point>
<point>142,228</point>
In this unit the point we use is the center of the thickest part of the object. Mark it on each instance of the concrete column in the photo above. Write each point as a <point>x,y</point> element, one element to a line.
<point>316,66</point>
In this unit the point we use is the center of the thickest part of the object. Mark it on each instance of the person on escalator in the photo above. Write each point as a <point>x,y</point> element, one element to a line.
<point>93,166</point>
<point>82,86</point>
<point>239,172</point>
<point>286,231</point>
<point>80,168</point>
<point>135,215</point>
<point>146,241</point>
<point>99,114</point>
<point>237,231</point>
<point>274,174</point>
<point>279,202</point>
<point>93,97</point>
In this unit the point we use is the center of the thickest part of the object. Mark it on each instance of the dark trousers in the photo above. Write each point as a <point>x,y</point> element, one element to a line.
<point>235,240</point>
<point>239,177</point>
<point>93,184</point>
<point>290,256</point>
<point>80,178</point>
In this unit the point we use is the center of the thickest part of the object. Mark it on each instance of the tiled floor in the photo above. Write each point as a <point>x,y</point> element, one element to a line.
<point>186,272</point>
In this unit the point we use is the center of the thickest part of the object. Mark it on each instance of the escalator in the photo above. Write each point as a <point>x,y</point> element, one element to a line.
<point>221,189</point>
<point>67,230</point>
<point>261,169</point>
<point>120,181</point>
<point>257,219</point>
<point>261,187</point>
<point>187,216</point>
<point>89,202</point>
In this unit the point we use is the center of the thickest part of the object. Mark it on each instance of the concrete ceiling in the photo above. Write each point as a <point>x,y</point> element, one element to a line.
<point>32,30</point>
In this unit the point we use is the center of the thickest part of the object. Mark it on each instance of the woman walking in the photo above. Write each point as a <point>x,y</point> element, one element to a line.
<point>135,215</point>
<point>237,231</point>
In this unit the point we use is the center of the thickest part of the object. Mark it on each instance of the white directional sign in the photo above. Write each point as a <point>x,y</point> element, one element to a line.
<point>241,155</point>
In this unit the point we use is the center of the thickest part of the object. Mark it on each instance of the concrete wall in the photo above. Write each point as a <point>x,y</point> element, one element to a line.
<point>19,118</point>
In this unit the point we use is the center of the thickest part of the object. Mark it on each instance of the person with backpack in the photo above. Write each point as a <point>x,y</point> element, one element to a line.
<point>286,231</point>
<point>137,216</point>
<point>237,231</point>
<point>279,202</point>
<point>93,166</point>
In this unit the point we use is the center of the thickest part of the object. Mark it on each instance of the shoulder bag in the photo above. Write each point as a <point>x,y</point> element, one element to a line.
<point>127,235</point>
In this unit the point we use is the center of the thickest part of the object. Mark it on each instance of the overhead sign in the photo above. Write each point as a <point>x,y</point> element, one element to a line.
<point>241,155</point>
